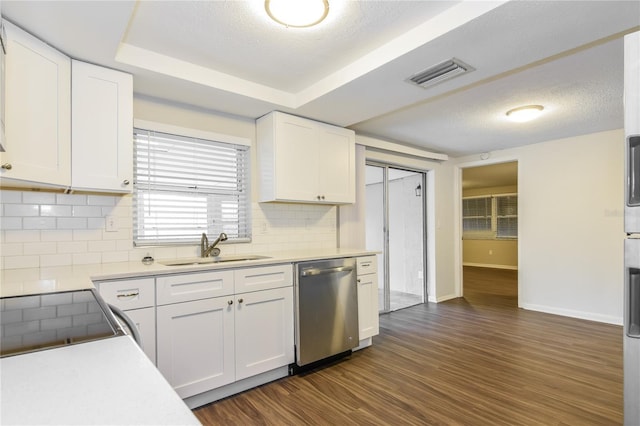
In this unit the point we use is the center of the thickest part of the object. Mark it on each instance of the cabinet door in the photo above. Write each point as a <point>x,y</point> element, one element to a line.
<point>196,345</point>
<point>264,331</point>
<point>368,319</point>
<point>145,321</point>
<point>38,112</point>
<point>336,156</point>
<point>296,158</point>
<point>102,129</point>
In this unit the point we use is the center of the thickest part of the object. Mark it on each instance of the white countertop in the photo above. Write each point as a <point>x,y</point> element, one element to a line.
<point>109,381</point>
<point>16,282</point>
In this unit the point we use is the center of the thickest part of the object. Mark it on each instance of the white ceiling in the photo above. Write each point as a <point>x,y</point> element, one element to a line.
<point>227,56</point>
<point>501,174</point>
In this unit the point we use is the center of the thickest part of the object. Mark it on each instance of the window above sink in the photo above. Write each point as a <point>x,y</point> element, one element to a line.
<point>188,182</point>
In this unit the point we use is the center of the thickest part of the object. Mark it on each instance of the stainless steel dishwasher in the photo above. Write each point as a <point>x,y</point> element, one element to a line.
<point>326,309</point>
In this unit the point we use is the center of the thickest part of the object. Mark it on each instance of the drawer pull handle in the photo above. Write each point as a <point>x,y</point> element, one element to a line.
<point>240,300</point>
<point>127,295</point>
<point>230,302</point>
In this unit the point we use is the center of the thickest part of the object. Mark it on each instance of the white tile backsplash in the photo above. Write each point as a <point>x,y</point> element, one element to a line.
<point>10,223</point>
<point>21,210</point>
<point>71,199</point>
<point>38,198</point>
<point>54,260</point>
<point>60,211</point>
<point>41,229</point>
<point>10,197</point>
<point>39,223</point>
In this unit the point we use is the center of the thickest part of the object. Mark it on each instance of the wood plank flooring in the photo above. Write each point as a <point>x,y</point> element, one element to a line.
<point>477,360</point>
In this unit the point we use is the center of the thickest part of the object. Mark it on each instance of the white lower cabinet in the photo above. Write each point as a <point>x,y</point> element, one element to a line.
<point>136,298</point>
<point>368,317</point>
<point>211,342</point>
<point>264,331</point>
<point>145,321</point>
<point>196,344</point>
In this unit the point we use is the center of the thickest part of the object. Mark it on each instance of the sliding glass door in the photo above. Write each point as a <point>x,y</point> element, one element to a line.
<point>395,226</point>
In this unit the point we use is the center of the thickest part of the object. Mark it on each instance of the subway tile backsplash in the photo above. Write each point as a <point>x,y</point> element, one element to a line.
<point>43,229</point>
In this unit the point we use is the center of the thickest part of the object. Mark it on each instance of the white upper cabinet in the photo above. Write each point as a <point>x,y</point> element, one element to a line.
<point>102,129</point>
<point>38,113</point>
<point>305,161</point>
<point>67,125</point>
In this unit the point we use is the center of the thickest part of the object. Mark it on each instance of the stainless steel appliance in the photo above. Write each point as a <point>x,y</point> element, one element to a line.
<point>3,52</point>
<point>326,310</point>
<point>632,229</point>
<point>51,320</point>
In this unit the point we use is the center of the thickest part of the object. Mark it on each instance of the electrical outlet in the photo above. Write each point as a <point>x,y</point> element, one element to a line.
<point>111,224</point>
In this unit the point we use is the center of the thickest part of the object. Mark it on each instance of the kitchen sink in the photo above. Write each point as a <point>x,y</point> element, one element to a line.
<point>208,260</point>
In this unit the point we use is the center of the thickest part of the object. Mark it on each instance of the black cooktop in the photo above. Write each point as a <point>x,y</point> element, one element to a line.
<point>50,320</point>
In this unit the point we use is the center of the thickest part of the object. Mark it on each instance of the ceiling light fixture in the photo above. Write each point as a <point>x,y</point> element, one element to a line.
<point>297,13</point>
<point>525,113</point>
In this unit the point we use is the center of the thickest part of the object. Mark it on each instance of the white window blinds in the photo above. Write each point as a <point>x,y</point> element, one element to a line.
<point>185,186</point>
<point>476,214</point>
<point>507,216</point>
<point>491,216</point>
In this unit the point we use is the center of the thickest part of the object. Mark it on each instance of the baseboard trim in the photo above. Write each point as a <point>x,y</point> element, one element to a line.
<point>490,265</point>
<point>608,319</point>
<point>442,298</point>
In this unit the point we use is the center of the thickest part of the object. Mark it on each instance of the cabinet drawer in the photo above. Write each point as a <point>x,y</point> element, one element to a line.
<point>367,265</point>
<point>187,287</point>
<point>128,294</point>
<point>264,278</point>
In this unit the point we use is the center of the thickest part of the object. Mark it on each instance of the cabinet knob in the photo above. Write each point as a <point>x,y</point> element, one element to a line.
<point>358,279</point>
<point>240,300</point>
<point>322,197</point>
<point>7,166</point>
<point>125,182</point>
<point>230,302</point>
<point>318,197</point>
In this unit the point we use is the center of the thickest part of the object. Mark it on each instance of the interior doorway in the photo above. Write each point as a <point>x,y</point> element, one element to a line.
<point>395,226</point>
<point>490,230</point>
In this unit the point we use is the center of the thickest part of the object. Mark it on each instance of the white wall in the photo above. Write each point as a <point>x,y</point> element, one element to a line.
<point>570,217</point>
<point>42,229</point>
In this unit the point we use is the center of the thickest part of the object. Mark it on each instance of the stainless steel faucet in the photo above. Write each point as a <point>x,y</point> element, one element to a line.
<point>207,250</point>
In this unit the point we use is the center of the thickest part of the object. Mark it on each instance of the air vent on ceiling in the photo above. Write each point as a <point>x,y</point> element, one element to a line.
<point>439,73</point>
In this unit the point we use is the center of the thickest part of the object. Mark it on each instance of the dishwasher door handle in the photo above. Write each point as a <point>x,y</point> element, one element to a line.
<point>314,271</point>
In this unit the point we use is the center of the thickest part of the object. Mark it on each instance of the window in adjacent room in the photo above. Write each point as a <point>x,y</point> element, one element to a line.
<point>489,217</point>
<point>186,185</point>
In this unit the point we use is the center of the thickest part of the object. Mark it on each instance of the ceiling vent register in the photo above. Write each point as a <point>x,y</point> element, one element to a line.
<point>439,73</point>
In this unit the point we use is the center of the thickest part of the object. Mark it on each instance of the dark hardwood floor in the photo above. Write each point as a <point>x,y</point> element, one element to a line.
<point>477,360</point>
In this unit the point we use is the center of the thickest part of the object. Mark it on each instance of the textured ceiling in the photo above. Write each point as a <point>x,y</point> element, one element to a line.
<point>228,57</point>
<point>235,38</point>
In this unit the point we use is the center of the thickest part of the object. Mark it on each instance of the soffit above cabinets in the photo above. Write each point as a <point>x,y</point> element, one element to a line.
<point>350,71</point>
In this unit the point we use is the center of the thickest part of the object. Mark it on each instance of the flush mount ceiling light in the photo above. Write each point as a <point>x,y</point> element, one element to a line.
<point>525,113</point>
<point>297,13</point>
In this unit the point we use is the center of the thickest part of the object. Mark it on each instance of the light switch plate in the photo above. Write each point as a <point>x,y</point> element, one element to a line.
<point>111,224</point>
